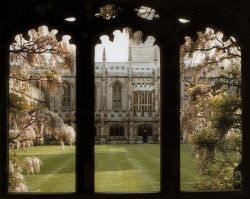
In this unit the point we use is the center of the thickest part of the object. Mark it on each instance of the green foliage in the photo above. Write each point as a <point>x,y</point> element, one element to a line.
<point>18,103</point>
<point>212,114</point>
<point>233,71</point>
<point>197,90</point>
<point>227,113</point>
<point>205,138</point>
<point>37,62</point>
<point>218,177</point>
<point>221,171</point>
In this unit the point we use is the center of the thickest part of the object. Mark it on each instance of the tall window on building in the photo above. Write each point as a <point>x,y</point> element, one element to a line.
<point>117,96</point>
<point>66,97</point>
<point>143,102</point>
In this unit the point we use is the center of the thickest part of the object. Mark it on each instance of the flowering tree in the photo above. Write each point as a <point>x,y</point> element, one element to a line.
<point>36,62</point>
<point>41,59</point>
<point>211,114</point>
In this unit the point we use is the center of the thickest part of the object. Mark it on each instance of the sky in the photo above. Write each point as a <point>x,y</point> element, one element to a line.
<point>116,51</point>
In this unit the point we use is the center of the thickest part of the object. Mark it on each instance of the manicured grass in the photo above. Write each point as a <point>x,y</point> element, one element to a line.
<point>118,168</point>
<point>127,168</point>
<point>57,171</point>
<point>188,168</point>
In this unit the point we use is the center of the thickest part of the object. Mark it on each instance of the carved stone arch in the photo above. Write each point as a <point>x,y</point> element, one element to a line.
<point>68,81</point>
<point>117,81</point>
<point>54,30</point>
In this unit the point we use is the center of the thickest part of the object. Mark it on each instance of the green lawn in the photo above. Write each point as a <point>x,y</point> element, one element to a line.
<point>189,168</point>
<point>127,168</point>
<point>118,168</point>
<point>57,171</point>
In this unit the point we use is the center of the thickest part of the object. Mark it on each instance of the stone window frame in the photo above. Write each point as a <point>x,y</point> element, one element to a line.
<point>211,13</point>
<point>141,105</point>
<point>66,95</point>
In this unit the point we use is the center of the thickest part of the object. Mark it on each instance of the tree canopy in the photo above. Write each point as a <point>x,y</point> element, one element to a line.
<point>211,114</point>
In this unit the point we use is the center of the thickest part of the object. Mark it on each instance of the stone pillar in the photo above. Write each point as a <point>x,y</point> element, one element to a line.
<point>104,82</point>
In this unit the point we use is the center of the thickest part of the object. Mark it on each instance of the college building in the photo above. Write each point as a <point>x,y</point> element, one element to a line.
<point>127,96</point>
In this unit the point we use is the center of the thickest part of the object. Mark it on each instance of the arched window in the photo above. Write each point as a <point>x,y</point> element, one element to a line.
<point>117,96</point>
<point>66,97</point>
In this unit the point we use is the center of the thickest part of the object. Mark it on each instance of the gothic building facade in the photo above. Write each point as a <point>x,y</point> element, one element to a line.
<point>127,96</point>
<point>63,102</point>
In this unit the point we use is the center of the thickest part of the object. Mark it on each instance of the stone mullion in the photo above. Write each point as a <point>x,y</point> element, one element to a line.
<point>4,82</point>
<point>170,119</point>
<point>85,113</point>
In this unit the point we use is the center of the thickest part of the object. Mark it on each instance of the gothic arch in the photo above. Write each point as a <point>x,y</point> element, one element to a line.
<point>117,81</point>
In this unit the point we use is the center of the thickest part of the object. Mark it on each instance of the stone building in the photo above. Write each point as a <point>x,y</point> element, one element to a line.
<point>127,96</point>
<point>63,102</point>
<point>32,94</point>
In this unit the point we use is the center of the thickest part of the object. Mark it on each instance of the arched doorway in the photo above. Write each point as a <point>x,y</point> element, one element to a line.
<point>116,130</point>
<point>145,131</point>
